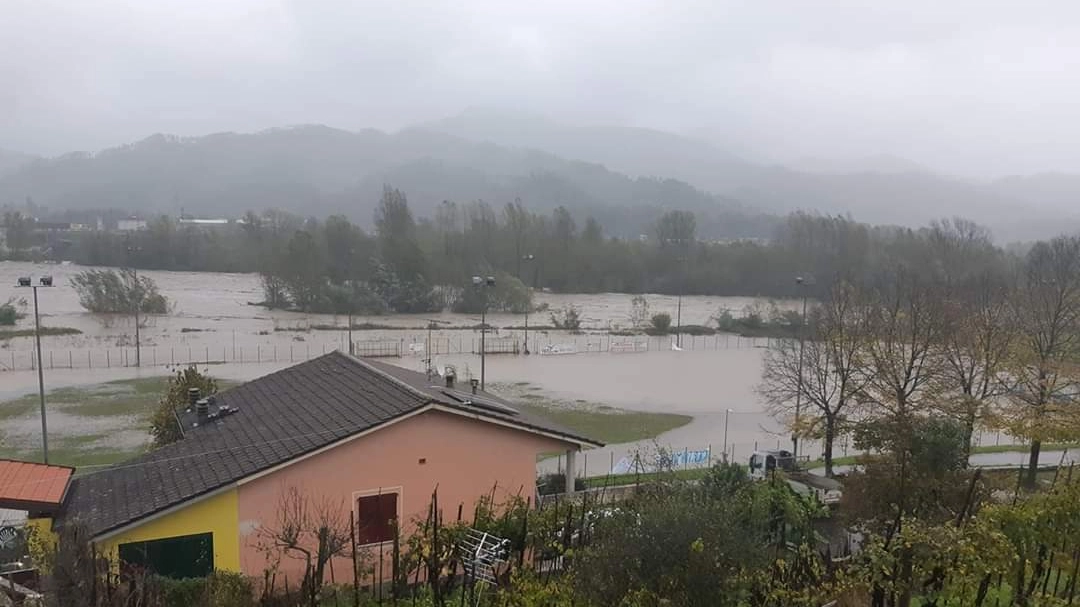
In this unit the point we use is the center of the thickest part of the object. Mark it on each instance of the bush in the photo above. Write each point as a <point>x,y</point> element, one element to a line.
<point>696,330</point>
<point>569,318</point>
<point>9,313</point>
<point>118,292</point>
<point>555,482</point>
<point>163,424</point>
<point>661,323</point>
<point>219,589</point>
<point>508,295</point>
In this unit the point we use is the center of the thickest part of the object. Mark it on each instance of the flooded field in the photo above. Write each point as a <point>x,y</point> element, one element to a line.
<point>213,320</point>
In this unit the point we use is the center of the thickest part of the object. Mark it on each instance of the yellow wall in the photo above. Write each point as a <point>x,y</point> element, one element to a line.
<point>217,515</point>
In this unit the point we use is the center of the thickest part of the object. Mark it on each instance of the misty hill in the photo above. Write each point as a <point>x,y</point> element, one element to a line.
<point>316,170</point>
<point>879,163</point>
<point>12,161</point>
<point>879,189</point>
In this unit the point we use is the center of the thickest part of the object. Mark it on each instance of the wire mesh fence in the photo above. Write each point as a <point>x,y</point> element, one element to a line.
<point>409,344</point>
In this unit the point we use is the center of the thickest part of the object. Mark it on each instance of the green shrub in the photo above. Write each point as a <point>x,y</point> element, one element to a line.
<point>696,330</point>
<point>7,314</point>
<point>661,323</point>
<point>11,311</point>
<point>182,593</point>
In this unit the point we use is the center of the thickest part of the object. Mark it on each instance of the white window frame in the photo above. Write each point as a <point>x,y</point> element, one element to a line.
<point>356,495</point>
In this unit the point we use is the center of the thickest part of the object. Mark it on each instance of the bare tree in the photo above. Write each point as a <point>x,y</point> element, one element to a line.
<point>904,317</point>
<point>828,376</point>
<point>315,531</point>
<point>974,350</point>
<point>1042,371</point>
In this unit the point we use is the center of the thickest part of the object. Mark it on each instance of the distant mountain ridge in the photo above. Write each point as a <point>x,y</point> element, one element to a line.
<point>878,189</point>
<point>621,175</point>
<point>11,161</point>
<point>318,170</point>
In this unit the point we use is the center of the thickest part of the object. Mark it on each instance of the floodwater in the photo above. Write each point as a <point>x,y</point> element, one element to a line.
<point>213,321</point>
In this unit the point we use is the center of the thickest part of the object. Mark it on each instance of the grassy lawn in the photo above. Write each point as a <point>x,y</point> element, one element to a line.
<point>91,417</point>
<point>609,425</point>
<point>45,332</point>
<point>597,421</point>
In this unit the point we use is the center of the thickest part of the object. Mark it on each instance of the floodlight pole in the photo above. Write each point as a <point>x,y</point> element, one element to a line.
<point>528,305</point>
<point>483,284</point>
<point>727,414</point>
<point>138,304</point>
<point>41,382</point>
<point>45,282</point>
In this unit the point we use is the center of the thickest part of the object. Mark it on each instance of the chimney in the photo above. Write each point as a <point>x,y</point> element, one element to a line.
<point>450,377</point>
<point>192,396</point>
<point>202,410</point>
<point>475,382</point>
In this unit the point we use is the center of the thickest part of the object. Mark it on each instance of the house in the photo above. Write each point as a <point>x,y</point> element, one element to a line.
<point>337,429</point>
<point>131,224</point>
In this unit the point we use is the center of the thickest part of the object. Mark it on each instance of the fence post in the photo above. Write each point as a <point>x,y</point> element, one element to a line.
<point>51,365</point>
<point>108,363</point>
<point>290,352</point>
<point>258,353</point>
<point>207,355</point>
<point>70,365</point>
<point>153,356</point>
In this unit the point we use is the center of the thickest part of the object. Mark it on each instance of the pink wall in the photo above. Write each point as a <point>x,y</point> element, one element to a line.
<point>464,457</point>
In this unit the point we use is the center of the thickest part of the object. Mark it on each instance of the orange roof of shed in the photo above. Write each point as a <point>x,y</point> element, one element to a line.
<point>32,486</point>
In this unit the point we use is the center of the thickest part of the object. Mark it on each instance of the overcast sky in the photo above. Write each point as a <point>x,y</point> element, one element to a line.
<point>975,87</point>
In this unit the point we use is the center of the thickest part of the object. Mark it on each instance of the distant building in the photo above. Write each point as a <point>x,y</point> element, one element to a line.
<point>131,224</point>
<point>210,223</point>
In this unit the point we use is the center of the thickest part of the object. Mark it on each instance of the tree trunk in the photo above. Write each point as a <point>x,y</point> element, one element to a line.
<point>969,432</point>
<point>830,437</point>
<point>1033,464</point>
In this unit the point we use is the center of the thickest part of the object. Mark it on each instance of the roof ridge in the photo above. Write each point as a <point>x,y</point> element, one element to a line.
<point>383,374</point>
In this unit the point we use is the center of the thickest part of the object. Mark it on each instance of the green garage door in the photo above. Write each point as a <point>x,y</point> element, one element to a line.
<point>186,556</point>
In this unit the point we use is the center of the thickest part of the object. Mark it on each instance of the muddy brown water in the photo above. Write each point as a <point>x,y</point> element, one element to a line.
<point>718,374</point>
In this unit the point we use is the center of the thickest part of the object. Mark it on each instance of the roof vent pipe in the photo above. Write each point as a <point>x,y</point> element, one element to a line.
<point>475,382</point>
<point>202,410</point>
<point>450,377</point>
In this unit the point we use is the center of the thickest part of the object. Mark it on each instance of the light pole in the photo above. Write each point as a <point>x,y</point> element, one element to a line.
<point>801,284</point>
<point>483,284</point>
<point>138,304</point>
<point>529,258</point>
<point>44,281</point>
<point>727,414</point>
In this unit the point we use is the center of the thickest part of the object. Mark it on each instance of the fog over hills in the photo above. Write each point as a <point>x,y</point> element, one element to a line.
<point>316,170</point>
<point>623,176</point>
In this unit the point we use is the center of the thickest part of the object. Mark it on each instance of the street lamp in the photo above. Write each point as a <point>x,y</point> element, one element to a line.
<point>483,284</point>
<point>530,258</point>
<point>801,285</point>
<point>44,281</point>
<point>138,303</point>
<point>727,414</point>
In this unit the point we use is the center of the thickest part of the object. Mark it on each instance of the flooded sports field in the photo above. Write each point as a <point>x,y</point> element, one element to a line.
<point>711,379</point>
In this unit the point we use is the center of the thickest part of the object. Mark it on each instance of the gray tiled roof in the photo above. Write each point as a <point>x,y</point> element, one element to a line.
<point>280,417</point>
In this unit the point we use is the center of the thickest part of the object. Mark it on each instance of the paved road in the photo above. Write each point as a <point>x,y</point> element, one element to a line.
<point>1011,459</point>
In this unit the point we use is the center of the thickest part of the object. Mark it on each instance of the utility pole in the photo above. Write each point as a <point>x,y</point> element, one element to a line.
<point>45,281</point>
<point>798,391</point>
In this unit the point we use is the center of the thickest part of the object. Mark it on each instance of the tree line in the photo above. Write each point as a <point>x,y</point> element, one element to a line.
<point>410,264</point>
<point>952,328</point>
